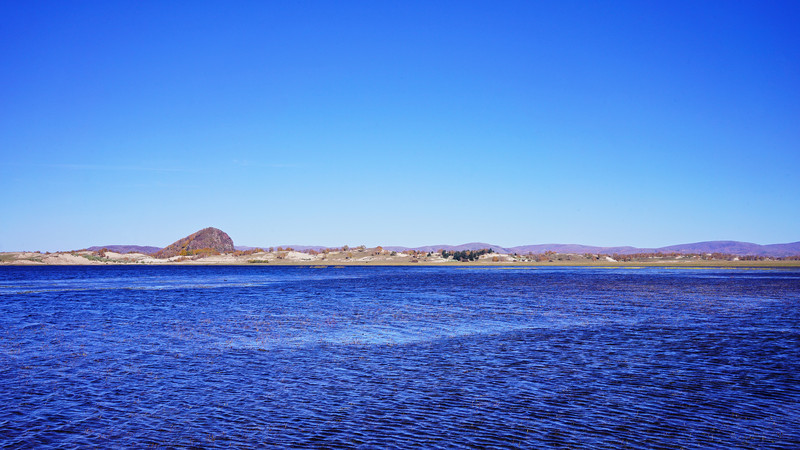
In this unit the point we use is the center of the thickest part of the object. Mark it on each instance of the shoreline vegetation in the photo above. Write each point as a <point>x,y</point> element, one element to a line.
<point>362,256</point>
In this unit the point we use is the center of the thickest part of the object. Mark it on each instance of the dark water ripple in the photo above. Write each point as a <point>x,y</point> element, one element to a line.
<point>399,357</point>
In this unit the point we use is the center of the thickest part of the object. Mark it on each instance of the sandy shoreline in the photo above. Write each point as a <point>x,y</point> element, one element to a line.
<point>367,257</point>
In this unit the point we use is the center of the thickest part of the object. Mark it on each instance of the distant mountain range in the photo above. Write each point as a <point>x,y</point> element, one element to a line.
<point>727,247</point>
<point>145,249</point>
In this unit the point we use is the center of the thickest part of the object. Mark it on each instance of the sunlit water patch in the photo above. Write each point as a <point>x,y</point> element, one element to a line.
<point>403,357</point>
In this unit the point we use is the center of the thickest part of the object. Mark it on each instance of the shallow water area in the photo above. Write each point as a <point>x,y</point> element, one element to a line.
<point>399,356</point>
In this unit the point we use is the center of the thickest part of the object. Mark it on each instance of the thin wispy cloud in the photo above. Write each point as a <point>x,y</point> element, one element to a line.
<point>161,186</point>
<point>245,163</point>
<point>120,168</point>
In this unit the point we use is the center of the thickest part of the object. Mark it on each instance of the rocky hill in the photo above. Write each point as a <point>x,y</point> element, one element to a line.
<point>208,241</point>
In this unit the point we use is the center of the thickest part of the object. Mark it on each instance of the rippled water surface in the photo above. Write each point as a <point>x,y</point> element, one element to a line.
<point>399,357</point>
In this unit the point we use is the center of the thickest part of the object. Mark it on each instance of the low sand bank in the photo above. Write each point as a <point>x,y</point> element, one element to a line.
<point>365,257</point>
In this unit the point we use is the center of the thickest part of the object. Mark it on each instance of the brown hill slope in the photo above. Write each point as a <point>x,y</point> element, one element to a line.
<point>206,241</point>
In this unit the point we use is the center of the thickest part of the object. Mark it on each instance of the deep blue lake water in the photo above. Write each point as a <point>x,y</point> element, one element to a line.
<point>399,357</point>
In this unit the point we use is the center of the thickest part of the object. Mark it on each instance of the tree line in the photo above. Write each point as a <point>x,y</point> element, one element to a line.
<point>466,255</point>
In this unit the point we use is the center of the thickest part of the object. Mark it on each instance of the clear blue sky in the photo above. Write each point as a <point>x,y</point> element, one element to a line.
<point>399,123</point>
